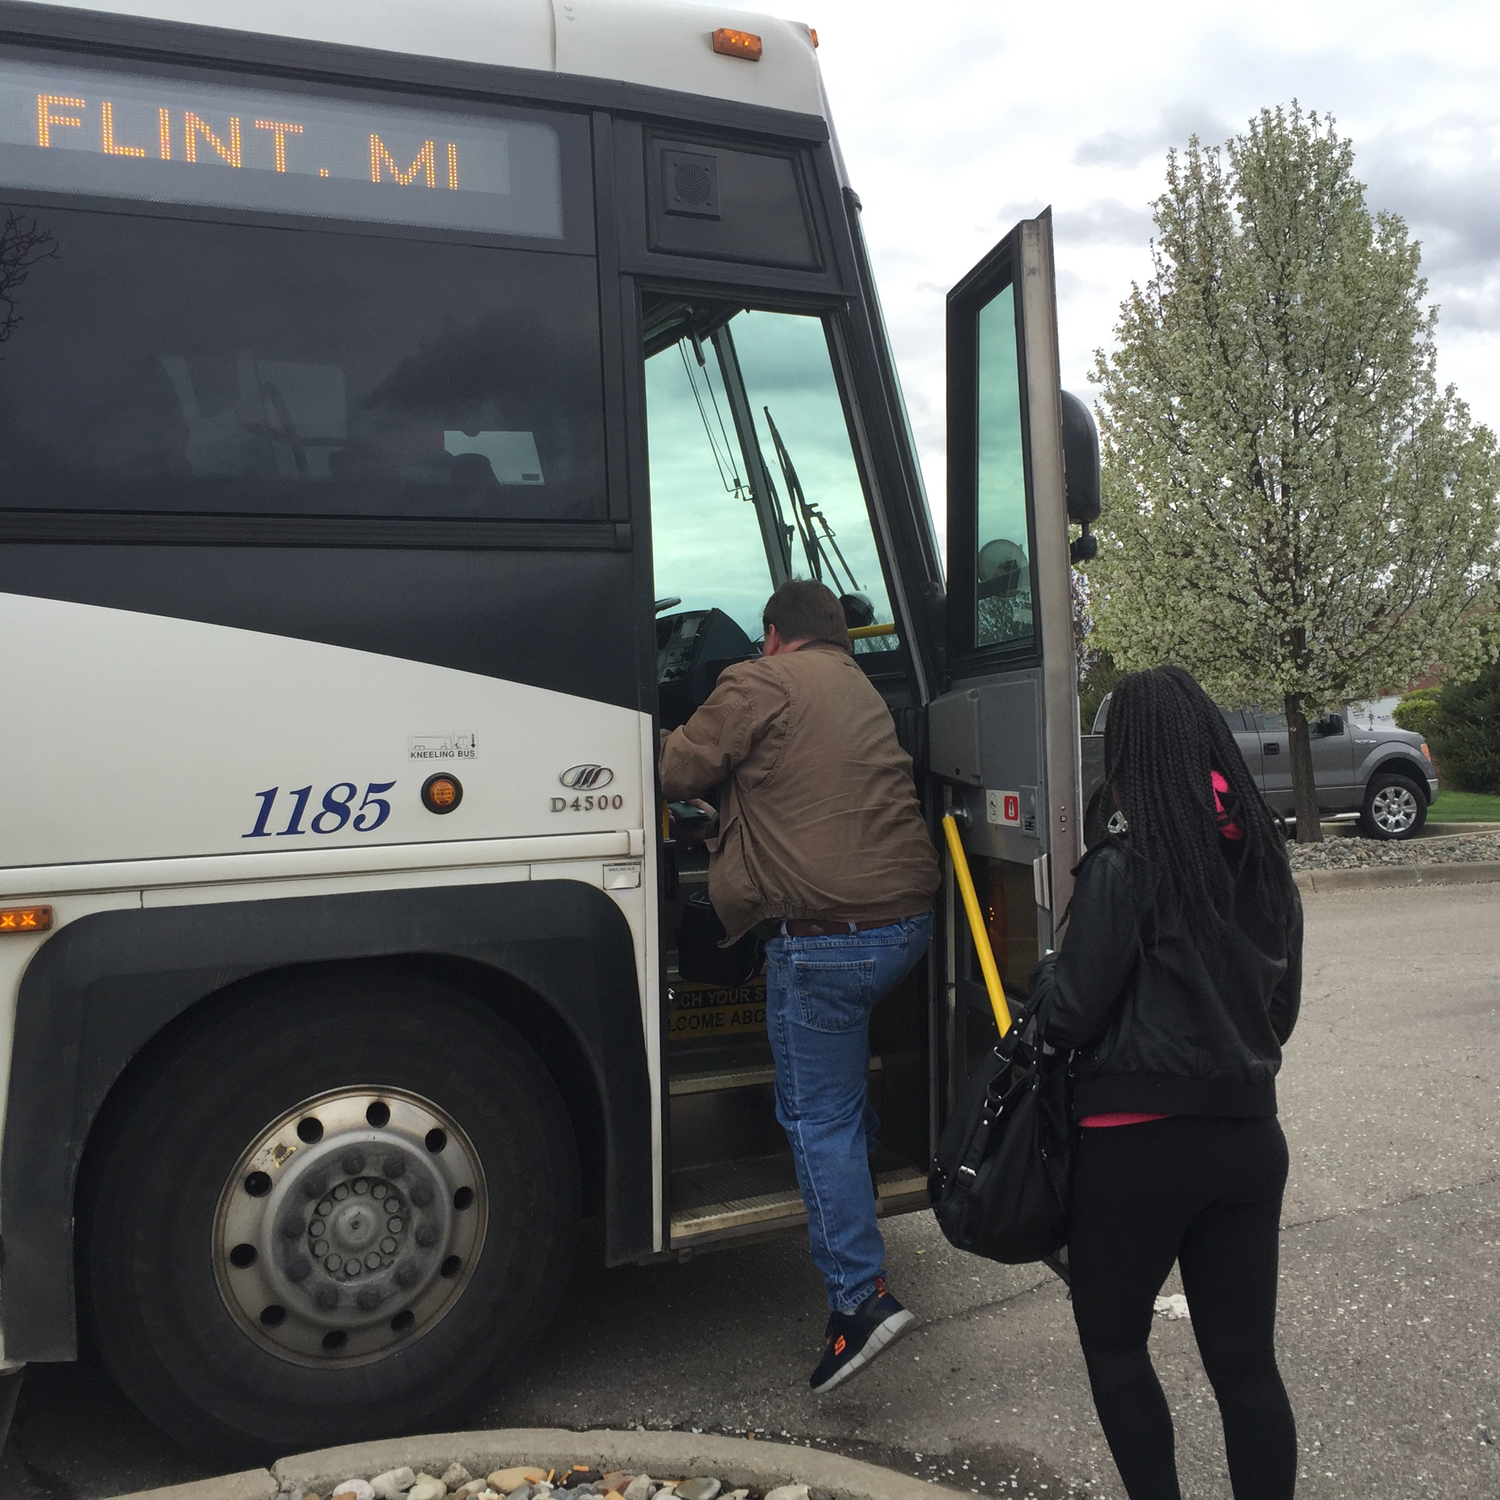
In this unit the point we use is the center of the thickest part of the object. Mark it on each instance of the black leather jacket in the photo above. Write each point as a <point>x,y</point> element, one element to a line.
<point>1156,1023</point>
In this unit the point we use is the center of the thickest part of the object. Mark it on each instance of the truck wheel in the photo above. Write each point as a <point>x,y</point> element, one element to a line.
<point>326,1213</point>
<point>1395,808</point>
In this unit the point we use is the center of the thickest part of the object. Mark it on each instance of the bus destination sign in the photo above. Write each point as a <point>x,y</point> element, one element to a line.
<point>170,140</point>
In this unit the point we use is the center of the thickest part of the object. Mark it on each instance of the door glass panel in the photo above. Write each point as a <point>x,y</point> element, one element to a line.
<point>753,477</point>
<point>1002,542</point>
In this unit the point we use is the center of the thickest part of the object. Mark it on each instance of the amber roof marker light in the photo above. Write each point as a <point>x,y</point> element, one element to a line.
<point>25,918</point>
<point>734,43</point>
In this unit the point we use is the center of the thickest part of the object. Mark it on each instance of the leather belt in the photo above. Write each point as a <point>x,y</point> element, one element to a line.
<point>807,927</point>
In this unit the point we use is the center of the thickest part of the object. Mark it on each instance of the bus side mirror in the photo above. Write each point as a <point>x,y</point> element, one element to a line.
<point>1080,459</point>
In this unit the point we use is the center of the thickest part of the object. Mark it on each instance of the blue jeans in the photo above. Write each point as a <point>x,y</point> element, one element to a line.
<point>819,995</point>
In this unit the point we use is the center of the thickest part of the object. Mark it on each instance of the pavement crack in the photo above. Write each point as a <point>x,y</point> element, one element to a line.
<point>968,1314</point>
<point>1374,1208</point>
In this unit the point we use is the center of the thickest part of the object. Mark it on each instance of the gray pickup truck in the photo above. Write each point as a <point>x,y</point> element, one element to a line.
<point>1385,776</point>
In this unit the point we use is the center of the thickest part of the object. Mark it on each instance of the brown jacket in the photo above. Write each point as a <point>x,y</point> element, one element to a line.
<point>819,815</point>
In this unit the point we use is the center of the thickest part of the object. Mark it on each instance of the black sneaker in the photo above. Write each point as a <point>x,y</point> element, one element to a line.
<point>853,1339</point>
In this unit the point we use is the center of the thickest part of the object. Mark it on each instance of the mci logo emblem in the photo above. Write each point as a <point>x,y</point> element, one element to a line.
<point>586,778</point>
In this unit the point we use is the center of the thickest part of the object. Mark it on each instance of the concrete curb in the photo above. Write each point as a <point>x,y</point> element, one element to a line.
<point>1385,877</point>
<point>1441,830</point>
<point>665,1455</point>
<point>249,1484</point>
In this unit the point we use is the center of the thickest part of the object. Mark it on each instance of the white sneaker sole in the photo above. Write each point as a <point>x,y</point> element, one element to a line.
<point>884,1335</point>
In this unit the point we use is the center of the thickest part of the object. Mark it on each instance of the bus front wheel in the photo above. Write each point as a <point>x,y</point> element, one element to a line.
<point>325,1214</point>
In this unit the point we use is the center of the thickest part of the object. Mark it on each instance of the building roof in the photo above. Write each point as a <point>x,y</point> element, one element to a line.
<point>662,43</point>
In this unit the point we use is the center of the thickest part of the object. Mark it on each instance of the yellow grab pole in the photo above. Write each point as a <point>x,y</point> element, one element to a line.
<point>976,925</point>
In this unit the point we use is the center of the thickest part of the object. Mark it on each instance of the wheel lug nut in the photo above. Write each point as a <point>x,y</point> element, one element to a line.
<point>328,1298</point>
<point>406,1275</point>
<point>298,1268</point>
<point>352,1267</point>
<point>368,1299</point>
<point>394,1165</point>
<point>294,1227</point>
<point>422,1194</point>
<point>316,1185</point>
<point>353,1162</point>
<point>427,1235</point>
<point>333,1263</point>
<point>388,1245</point>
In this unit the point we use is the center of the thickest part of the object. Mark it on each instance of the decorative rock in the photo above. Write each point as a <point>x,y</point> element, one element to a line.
<point>455,1476</point>
<point>427,1487</point>
<point>639,1488</point>
<point>614,1480</point>
<point>506,1480</point>
<point>353,1489</point>
<point>814,1493</point>
<point>393,1484</point>
<point>471,1488</point>
<point>737,1495</point>
<point>698,1489</point>
<point>788,1492</point>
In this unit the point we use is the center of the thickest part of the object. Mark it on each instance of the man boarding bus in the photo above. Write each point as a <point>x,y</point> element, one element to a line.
<point>405,412</point>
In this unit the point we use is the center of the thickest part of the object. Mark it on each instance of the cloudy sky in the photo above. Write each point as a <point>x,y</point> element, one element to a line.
<point>961,116</point>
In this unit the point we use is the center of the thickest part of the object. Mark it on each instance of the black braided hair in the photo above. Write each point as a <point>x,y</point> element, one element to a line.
<point>1162,740</point>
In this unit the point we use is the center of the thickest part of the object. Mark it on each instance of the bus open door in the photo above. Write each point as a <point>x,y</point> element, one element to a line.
<point>1003,738</point>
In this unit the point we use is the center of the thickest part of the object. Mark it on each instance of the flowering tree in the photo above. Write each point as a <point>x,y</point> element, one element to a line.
<point>1294,511</point>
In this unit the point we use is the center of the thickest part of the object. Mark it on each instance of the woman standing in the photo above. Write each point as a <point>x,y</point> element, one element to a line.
<point>1176,984</point>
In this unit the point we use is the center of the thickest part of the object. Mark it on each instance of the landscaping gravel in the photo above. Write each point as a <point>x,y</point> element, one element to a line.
<point>1341,853</point>
<point>522,1483</point>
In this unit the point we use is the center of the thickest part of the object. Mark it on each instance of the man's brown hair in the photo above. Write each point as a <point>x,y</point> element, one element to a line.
<point>804,610</point>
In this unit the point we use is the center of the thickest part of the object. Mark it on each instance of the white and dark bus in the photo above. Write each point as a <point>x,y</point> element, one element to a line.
<point>405,411</point>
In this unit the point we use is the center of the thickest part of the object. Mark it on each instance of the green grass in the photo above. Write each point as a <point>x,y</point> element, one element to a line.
<point>1465,807</point>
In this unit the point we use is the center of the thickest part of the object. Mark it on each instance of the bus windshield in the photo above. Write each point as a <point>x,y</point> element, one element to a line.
<point>753,478</point>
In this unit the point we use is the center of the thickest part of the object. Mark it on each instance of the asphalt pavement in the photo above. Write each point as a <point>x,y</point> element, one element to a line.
<point>1390,1320</point>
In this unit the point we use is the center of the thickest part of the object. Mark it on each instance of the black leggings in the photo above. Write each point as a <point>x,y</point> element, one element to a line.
<point>1206,1192</point>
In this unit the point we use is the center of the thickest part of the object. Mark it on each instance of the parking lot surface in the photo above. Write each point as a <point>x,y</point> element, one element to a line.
<point>1390,1321</point>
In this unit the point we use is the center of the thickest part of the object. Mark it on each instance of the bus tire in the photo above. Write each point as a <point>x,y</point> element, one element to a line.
<point>324,1213</point>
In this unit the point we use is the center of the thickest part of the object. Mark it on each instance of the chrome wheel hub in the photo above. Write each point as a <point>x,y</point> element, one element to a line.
<point>349,1226</point>
<point>1393,809</point>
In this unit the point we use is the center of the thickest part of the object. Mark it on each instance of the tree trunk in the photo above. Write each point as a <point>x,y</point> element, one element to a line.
<point>1304,787</point>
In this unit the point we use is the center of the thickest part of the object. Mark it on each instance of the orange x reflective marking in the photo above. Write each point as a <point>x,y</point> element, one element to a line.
<point>25,918</point>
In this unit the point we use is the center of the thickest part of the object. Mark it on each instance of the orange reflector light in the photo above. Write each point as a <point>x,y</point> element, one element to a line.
<point>1426,751</point>
<point>25,918</point>
<point>737,43</point>
<point>812,31</point>
<point>442,793</point>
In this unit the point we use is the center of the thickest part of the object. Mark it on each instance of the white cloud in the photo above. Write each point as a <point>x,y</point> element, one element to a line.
<point>957,119</point>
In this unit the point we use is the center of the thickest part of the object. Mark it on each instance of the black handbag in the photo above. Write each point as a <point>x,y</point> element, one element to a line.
<point>701,959</point>
<point>1000,1184</point>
